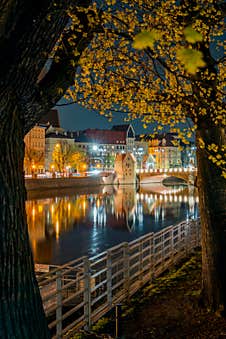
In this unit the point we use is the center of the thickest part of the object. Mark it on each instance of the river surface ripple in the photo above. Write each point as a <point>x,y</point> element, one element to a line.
<point>69,224</point>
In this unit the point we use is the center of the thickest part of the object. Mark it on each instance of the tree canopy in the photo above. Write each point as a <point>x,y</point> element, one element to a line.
<point>67,155</point>
<point>161,62</point>
<point>32,159</point>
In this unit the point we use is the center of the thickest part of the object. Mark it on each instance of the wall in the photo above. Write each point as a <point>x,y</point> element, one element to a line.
<point>55,183</point>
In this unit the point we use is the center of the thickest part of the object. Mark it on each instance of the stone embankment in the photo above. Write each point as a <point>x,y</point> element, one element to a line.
<point>57,183</point>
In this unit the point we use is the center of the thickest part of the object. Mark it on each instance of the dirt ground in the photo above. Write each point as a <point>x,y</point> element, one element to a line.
<point>173,309</point>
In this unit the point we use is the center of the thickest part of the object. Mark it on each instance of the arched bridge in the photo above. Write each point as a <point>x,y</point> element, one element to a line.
<point>158,175</point>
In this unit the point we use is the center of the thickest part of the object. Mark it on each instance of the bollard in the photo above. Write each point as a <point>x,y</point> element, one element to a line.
<point>118,321</point>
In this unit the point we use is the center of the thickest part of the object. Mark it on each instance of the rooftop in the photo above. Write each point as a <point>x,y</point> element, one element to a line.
<point>51,118</point>
<point>117,135</point>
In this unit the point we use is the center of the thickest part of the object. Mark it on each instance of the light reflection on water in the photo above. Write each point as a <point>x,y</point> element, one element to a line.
<point>68,227</point>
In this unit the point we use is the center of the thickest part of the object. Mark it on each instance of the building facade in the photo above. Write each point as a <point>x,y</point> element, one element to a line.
<point>188,155</point>
<point>102,146</point>
<point>125,168</point>
<point>34,159</point>
<point>54,138</point>
<point>164,152</point>
<point>35,143</point>
<point>140,151</point>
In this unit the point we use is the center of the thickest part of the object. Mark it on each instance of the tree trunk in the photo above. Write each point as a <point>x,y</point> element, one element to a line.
<point>212,202</point>
<point>21,311</point>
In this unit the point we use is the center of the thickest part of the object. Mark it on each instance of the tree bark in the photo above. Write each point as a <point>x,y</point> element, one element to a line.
<point>212,202</point>
<point>25,95</point>
<point>21,311</point>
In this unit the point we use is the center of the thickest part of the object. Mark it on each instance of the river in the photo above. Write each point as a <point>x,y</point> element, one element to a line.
<point>70,224</point>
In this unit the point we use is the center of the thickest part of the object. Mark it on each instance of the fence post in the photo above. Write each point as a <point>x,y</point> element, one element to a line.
<point>140,261</point>
<point>59,305</point>
<point>109,278</point>
<point>162,249</point>
<point>152,254</point>
<point>118,321</point>
<point>172,246</point>
<point>189,242</point>
<point>87,294</point>
<point>181,238</point>
<point>126,268</point>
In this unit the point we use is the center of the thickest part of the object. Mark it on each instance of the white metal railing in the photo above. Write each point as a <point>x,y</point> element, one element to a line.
<point>78,293</point>
<point>166,170</point>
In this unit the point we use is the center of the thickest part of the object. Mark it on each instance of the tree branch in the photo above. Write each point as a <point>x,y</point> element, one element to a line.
<point>61,74</point>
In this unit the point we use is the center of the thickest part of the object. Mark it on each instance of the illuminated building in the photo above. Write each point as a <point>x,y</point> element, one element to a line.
<point>34,150</point>
<point>52,139</point>
<point>101,146</point>
<point>164,151</point>
<point>125,167</point>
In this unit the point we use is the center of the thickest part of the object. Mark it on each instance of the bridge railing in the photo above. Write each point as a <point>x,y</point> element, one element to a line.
<point>168,170</point>
<point>78,293</point>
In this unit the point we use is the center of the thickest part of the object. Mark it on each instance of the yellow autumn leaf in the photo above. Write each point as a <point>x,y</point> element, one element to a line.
<point>201,143</point>
<point>146,39</point>
<point>192,35</point>
<point>191,59</point>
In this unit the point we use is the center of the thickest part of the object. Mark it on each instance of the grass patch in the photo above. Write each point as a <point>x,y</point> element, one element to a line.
<point>184,271</point>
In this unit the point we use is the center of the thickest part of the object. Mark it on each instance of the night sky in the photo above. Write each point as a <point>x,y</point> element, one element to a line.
<point>75,117</point>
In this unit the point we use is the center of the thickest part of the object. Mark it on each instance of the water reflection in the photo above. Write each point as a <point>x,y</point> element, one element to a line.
<point>64,228</point>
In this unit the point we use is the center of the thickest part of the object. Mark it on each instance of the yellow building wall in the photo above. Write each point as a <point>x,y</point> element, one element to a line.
<point>34,150</point>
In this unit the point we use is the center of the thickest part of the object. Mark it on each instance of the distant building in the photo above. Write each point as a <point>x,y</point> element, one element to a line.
<point>167,151</point>
<point>54,135</point>
<point>101,146</point>
<point>125,168</point>
<point>140,151</point>
<point>52,139</point>
<point>128,135</point>
<point>188,155</point>
<point>34,150</point>
<point>164,151</point>
<point>50,120</point>
<point>35,147</point>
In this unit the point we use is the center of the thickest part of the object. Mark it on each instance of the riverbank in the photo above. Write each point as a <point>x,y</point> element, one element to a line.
<point>46,187</point>
<point>56,183</point>
<point>169,308</point>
